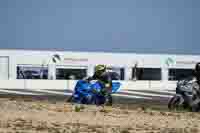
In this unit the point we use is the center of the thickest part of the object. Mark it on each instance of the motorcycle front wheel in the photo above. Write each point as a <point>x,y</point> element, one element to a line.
<point>174,103</point>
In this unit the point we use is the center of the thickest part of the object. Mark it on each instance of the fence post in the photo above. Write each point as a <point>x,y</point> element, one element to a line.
<point>150,84</point>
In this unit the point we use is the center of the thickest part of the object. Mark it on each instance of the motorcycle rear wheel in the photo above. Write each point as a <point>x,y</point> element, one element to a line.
<point>70,99</point>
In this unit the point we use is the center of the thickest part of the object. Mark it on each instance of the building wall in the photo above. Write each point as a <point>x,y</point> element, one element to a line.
<point>90,59</point>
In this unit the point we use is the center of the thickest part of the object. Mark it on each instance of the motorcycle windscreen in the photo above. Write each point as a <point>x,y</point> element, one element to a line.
<point>115,86</point>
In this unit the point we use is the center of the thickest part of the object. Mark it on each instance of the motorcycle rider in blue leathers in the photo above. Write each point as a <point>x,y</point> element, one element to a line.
<point>96,89</point>
<point>104,78</point>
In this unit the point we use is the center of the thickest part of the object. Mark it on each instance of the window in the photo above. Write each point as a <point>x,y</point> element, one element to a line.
<point>178,74</point>
<point>71,73</point>
<point>146,73</point>
<point>32,72</point>
<point>118,73</point>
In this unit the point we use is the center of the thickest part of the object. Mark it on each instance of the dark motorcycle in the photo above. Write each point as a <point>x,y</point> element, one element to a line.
<point>183,98</point>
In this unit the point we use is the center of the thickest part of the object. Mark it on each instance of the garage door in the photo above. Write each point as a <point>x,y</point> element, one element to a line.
<point>4,67</point>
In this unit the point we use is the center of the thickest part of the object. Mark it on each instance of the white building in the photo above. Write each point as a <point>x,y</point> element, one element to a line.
<point>28,64</point>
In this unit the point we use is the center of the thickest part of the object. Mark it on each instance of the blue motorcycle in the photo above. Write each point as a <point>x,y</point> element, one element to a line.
<point>93,92</point>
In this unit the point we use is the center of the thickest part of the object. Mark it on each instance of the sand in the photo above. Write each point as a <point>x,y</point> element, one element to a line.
<point>43,116</point>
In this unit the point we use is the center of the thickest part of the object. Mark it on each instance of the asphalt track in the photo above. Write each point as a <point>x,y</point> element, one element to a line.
<point>126,99</point>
